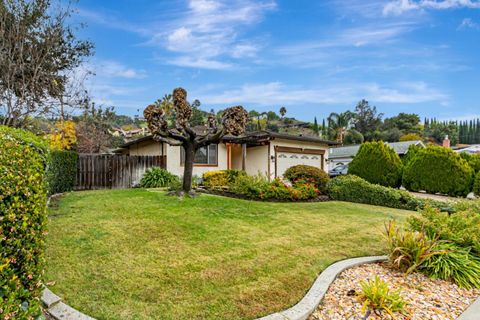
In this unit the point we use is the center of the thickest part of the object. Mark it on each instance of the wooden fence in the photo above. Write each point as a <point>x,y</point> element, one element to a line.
<point>113,171</point>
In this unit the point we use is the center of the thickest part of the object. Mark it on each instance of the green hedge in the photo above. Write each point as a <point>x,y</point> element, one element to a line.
<point>23,198</point>
<point>377,163</point>
<point>438,170</point>
<point>476,185</point>
<point>62,171</point>
<point>472,159</point>
<point>355,189</point>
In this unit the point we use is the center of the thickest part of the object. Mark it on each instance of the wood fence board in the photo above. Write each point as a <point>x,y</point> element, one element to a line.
<point>113,171</point>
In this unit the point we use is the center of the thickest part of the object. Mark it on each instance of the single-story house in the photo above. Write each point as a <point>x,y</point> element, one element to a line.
<point>343,155</point>
<point>472,149</point>
<point>265,152</point>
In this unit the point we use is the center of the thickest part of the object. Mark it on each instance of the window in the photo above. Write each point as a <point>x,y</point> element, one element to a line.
<point>204,156</point>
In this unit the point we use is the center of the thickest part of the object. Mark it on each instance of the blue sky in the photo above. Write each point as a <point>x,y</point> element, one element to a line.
<point>313,57</point>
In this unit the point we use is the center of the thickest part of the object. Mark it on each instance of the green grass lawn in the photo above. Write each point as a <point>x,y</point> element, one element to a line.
<point>138,254</point>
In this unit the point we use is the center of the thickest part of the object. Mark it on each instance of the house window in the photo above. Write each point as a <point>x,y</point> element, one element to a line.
<point>204,156</point>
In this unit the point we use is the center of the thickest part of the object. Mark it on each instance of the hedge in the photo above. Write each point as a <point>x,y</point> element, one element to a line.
<point>438,170</point>
<point>377,163</point>
<point>62,171</point>
<point>472,159</point>
<point>355,189</point>
<point>476,185</point>
<point>23,198</point>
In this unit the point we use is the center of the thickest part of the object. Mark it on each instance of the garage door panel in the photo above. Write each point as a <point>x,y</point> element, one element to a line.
<point>286,160</point>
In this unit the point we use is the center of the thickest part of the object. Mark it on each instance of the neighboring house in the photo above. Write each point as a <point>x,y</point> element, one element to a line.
<point>264,152</point>
<point>472,149</point>
<point>343,155</point>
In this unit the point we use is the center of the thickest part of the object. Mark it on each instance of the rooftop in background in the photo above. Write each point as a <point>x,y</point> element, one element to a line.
<point>474,149</point>
<point>350,151</point>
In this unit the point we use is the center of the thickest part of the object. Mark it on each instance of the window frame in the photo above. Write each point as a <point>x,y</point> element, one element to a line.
<point>195,164</point>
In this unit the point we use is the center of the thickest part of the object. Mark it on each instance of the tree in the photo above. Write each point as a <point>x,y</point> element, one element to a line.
<point>181,134</point>
<point>439,130</point>
<point>405,122</point>
<point>38,50</point>
<point>411,137</point>
<point>353,137</point>
<point>367,120</point>
<point>390,135</point>
<point>315,127</point>
<point>338,124</point>
<point>283,111</point>
<point>63,136</point>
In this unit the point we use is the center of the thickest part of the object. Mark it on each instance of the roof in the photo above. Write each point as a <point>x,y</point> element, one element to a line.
<point>350,151</point>
<point>252,138</point>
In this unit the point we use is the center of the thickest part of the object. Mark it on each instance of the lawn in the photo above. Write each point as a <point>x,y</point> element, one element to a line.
<point>139,254</point>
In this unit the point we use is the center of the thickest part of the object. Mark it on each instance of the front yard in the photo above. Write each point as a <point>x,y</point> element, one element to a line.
<point>138,254</point>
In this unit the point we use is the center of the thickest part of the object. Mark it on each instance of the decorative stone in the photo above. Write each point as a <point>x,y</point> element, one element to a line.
<point>471,196</point>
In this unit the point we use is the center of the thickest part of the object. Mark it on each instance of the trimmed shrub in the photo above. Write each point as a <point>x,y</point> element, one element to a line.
<point>249,186</point>
<point>307,174</point>
<point>411,153</point>
<point>221,178</point>
<point>377,163</point>
<point>23,199</point>
<point>156,177</point>
<point>438,170</point>
<point>217,178</point>
<point>476,185</point>
<point>61,171</point>
<point>472,159</point>
<point>355,189</point>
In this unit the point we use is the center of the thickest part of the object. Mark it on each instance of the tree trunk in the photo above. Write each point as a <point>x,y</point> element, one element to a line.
<point>188,166</point>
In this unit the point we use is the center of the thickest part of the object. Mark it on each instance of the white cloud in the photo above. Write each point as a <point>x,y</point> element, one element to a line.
<point>468,23</point>
<point>398,7</point>
<point>276,93</point>
<point>109,68</point>
<point>192,62</point>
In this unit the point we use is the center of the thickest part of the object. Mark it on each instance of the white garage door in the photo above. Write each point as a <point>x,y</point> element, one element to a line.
<point>286,160</point>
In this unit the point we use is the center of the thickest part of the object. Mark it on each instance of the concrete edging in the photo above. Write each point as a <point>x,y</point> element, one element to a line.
<point>311,300</point>
<point>472,312</point>
<point>58,310</point>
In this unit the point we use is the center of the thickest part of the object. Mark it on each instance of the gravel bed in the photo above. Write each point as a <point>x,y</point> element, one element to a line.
<point>426,298</point>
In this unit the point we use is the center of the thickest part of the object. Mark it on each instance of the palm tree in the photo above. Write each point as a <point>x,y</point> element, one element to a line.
<point>283,111</point>
<point>339,123</point>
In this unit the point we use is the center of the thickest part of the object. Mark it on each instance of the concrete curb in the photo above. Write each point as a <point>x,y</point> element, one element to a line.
<point>310,302</point>
<point>472,312</point>
<point>58,310</point>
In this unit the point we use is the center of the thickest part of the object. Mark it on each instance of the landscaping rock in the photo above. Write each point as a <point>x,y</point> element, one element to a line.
<point>426,298</point>
<point>471,196</point>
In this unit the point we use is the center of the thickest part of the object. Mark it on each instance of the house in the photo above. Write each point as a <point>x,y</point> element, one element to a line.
<point>472,149</point>
<point>263,152</point>
<point>344,155</point>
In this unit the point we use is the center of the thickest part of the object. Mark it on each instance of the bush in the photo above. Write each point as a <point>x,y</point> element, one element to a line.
<point>476,185</point>
<point>415,251</point>
<point>377,163</point>
<point>462,228</point>
<point>304,174</point>
<point>221,178</point>
<point>412,151</point>
<point>438,170</point>
<point>61,171</point>
<point>355,189</point>
<point>23,198</point>
<point>376,295</point>
<point>250,186</point>
<point>156,177</point>
<point>472,159</point>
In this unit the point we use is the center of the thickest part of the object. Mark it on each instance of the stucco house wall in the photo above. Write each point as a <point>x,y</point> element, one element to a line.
<point>257,160</point>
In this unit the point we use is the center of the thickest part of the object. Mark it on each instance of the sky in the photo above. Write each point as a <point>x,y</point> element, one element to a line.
<point>313,57</point>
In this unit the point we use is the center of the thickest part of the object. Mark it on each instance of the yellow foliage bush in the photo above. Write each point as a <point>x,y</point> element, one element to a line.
<point>63,136</point>
<point>218,178</point>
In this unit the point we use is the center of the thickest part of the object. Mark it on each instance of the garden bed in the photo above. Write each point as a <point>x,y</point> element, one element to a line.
<point>425,298</point>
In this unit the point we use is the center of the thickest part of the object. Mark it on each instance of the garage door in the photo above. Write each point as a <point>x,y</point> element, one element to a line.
<point>287,159</point>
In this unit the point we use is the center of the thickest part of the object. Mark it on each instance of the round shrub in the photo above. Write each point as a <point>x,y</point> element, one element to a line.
<point>217,178</point>
<point>411,153</point>
<point>476,185</point>
<point>438,170</point>
<point>62,171</point>
<point>23,216</point>
<point>304,173</point>
<point>472,159</point>
<point>377,163</point>
<point>157,178</point>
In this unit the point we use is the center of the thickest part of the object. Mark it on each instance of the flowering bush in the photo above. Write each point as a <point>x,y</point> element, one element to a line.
<point>307,174</point>
<point>279,190</point>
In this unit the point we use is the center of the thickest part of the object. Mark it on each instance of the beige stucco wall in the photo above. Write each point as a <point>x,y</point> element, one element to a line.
<point>173,161</point>
<point>236,156</point>
<point>147,148</point>
<point>257,160</point>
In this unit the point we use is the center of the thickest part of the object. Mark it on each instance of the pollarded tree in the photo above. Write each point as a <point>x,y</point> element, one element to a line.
<point>180,133</point>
